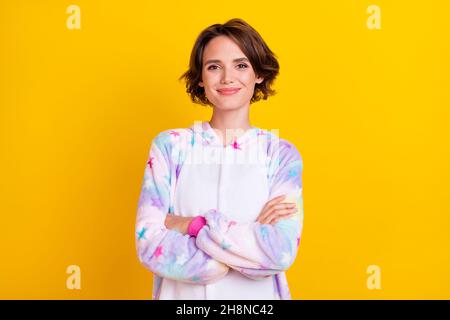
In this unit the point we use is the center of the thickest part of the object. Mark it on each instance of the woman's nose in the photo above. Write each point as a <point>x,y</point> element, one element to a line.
<point>226,76</point>
<point>225,81</point>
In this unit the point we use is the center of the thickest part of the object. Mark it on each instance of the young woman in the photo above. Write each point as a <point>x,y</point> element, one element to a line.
<point>221,210</point>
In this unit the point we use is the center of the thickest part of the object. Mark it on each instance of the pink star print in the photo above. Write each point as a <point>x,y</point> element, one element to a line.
<point>150,162</point>
<point>236,145</point>
<point>175,133</point>
<point>158,251</point>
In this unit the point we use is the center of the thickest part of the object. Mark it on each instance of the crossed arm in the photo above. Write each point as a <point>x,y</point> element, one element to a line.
<point>256,249</point>
<point>273,211</point>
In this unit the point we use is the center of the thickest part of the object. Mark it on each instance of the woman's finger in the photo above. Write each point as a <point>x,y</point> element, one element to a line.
<point>275,207</point>
<point>276,213</point>
<point>283,216</point>
<point>275,200</point>
<point>280,218</point>
<point>282,213</point>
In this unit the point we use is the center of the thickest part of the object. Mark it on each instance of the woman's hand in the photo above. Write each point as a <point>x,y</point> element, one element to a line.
<point>177,223</point>
<point>274,211</point>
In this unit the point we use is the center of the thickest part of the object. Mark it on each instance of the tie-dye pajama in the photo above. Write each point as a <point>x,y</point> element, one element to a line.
<point>188,173</point>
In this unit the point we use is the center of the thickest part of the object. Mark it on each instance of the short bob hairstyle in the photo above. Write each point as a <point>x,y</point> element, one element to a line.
<point>252,45</point>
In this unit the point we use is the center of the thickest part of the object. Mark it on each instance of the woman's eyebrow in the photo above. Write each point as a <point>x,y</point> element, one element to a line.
<point>218,61</point>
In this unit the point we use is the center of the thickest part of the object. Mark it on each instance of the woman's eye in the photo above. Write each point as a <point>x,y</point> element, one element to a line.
<point>241,66</point>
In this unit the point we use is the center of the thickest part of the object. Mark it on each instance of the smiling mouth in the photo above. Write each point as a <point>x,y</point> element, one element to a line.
<point>228,92</point>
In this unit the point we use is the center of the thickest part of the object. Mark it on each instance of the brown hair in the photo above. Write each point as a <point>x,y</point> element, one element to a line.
<point>252,45</point>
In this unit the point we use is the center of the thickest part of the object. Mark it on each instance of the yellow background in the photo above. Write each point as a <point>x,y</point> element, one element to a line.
<point>367,109</point>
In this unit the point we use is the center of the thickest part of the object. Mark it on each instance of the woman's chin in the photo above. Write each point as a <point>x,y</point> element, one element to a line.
<point>228,106</point>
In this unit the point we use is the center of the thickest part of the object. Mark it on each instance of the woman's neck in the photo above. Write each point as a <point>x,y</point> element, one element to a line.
<point>235,121</point>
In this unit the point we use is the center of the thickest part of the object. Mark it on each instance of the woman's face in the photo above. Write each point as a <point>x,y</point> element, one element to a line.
<point>226,67</point>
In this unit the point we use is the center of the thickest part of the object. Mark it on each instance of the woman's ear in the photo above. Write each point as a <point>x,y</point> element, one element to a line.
<point>200,84</point>
<point>259,80</point>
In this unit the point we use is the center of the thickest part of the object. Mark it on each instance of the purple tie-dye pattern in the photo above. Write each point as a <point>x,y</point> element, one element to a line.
<point>157,203</point>
<point>208,257</point>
